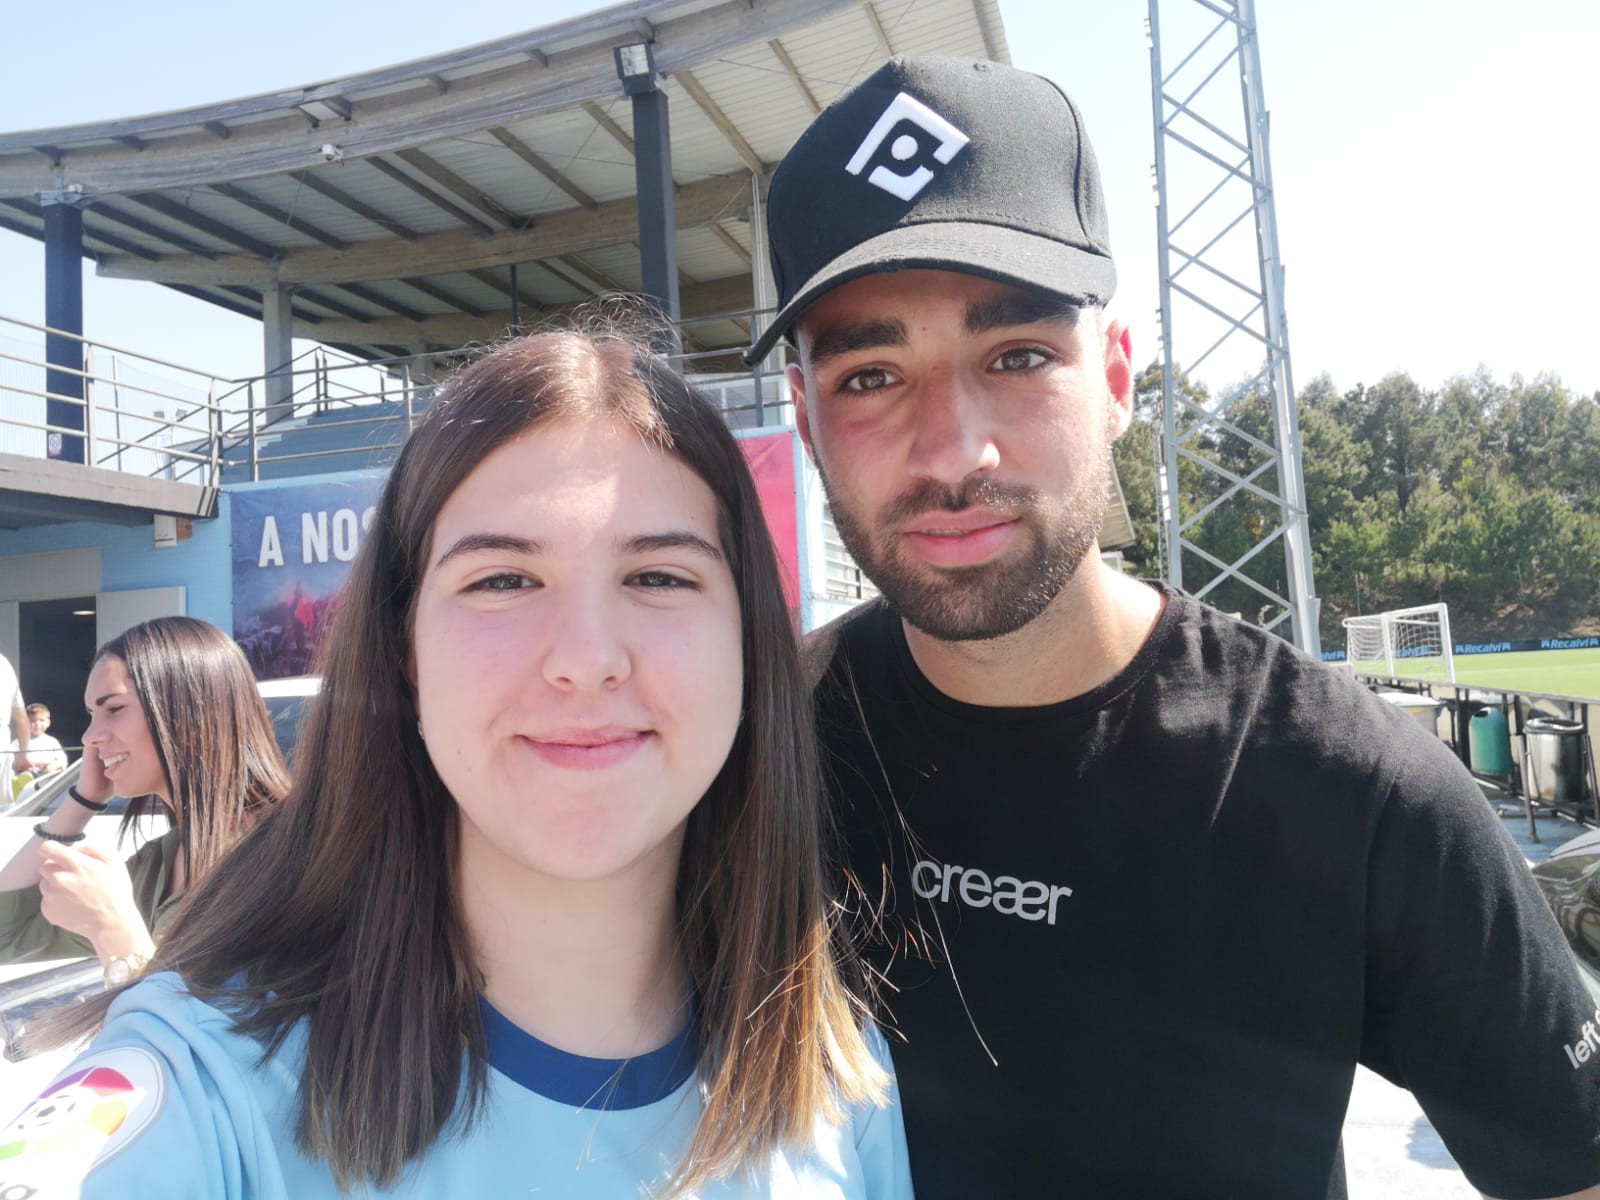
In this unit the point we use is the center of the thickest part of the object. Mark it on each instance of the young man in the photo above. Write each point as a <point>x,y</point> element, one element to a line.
<point>1143,883</point>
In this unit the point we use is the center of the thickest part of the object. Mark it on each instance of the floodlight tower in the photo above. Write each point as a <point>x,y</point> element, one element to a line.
<point>1233,490</point>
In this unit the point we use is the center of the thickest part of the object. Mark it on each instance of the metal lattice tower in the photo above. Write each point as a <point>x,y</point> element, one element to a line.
<point>1235,532</point>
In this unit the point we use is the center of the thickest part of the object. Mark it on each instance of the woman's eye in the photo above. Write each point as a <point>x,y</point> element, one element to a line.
<point>505,582</point>
<point>662,581</point>
<point>1022,358</point>
<point>870,380</point>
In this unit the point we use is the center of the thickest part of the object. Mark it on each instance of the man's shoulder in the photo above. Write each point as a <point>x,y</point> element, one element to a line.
<point>822,647</point>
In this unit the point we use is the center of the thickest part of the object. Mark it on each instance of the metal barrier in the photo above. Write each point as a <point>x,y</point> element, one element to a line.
<point>1520,707</point>
<point>148,416</point>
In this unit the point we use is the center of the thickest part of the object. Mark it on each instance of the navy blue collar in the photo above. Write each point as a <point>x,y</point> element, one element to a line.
<point>605,1083</point>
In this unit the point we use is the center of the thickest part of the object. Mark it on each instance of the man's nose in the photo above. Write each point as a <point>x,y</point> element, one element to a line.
<point>954,436</point>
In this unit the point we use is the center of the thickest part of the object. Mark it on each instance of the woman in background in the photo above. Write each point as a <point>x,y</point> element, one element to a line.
<point>544,913</point>
<point>175,723</point>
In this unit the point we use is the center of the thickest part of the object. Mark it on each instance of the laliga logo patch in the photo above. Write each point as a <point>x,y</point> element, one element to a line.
<point>908,146</point>
<point>81,1119</point>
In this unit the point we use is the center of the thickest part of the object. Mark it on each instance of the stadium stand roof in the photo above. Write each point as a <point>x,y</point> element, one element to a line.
<point>396,203</point>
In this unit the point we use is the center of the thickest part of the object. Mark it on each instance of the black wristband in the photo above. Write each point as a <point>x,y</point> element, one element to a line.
<point>91,805</point>
<point>66,839</point>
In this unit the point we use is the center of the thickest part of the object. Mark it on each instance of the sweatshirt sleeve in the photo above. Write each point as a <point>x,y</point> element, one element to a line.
<point>880,1133</point>
<point>25,935</point>
<point>160,1105</point>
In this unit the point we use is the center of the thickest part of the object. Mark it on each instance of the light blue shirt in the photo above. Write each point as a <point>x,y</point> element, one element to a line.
<point>169,1101</point>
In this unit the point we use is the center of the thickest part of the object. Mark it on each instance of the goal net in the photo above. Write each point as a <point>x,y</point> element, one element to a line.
<point>1404,643</point>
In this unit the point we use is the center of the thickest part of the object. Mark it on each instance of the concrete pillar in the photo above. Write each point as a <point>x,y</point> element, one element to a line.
<point>63,311</point>
<point>277,338</point>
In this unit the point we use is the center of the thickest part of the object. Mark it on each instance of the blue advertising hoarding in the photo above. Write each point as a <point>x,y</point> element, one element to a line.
<point>292,547</point>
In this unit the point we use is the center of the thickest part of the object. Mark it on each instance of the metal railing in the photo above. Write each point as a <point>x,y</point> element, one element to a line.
<point>1461,701</point>
<point>148,416</point>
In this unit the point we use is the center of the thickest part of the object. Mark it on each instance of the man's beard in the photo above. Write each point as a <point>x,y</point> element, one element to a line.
<point>978,603</point>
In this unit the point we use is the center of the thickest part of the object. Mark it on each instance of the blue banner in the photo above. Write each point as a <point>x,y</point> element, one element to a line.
<point>292,547</point>
<point>1514,645</point>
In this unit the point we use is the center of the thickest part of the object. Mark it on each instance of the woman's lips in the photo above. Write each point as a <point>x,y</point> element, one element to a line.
<point>588,749</point>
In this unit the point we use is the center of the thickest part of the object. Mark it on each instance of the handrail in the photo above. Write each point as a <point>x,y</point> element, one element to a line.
<point>323,391</point>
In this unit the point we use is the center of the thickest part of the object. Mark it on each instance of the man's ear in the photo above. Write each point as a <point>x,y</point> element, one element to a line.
<point>802,415</point>
<point>1119,373</point>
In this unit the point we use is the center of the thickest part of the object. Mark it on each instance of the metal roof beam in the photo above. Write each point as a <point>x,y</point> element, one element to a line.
<point>697,92</point>
<point>377,300</point>
<point>434,292</point>
<point>514,144</point>
<point>271,211</point>
<point>794,74</point>
<point>338,307</point>
<point>101,209</point>
<point>617,132</point>
<point>360,207</point>
<point>996,50</point>
<point>878,30</point>
<point>256,298</point>
<point>706,299</point>
<point>524,297</point>
<point>731,242</point>
<point>570,231</point>
<point>227,302</point>
<point>453,183</point>
<point>427,193</point>
<point>174,211</point>
<point>121,245</point>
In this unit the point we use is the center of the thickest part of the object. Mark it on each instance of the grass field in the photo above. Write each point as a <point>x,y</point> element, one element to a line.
<point>1564,672</point>
<point>1569,672</point>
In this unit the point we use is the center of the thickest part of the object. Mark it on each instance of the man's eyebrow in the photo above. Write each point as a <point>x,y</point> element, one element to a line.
<point>474,542</point>
<point>650,543</point>
<point>856,335</point>
<point>1020,308</point>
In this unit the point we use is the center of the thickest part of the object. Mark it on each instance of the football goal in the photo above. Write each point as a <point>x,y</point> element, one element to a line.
<point>1404,643</point>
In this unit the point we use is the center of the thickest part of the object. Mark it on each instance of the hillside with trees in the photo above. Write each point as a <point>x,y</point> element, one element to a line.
<point>1483,495</point>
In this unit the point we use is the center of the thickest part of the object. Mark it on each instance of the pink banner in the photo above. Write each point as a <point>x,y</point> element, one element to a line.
<point>771,459</point>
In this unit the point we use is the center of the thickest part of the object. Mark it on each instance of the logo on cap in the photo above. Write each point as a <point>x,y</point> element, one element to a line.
<point>905,109</point>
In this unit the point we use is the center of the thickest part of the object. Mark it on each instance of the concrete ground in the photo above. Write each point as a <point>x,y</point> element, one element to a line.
<point>1391,1151</point>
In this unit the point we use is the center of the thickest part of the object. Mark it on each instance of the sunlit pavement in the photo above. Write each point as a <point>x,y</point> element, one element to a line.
<point>1390,1149</point>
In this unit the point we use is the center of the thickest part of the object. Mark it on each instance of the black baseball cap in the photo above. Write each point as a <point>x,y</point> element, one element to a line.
<point>944,163</point>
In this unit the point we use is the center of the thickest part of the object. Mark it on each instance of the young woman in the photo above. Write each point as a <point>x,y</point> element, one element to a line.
<point>175,721</point>
<point>544,913</point>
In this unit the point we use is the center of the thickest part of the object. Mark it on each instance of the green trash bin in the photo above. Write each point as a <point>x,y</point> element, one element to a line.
<point>1489,742</point>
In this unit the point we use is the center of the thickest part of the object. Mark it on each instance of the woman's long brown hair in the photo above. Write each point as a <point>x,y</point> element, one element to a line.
<point>340,908</point>
<point>211,732</point>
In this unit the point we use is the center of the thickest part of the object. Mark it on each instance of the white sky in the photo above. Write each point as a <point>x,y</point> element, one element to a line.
<point>1436,174</point>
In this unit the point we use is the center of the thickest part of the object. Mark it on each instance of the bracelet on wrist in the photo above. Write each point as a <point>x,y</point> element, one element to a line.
<point>66,839</point>
<point>122,968</point>
<point>94,806</point>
